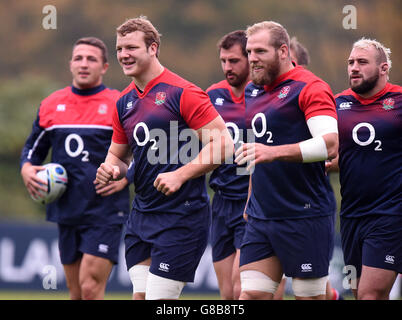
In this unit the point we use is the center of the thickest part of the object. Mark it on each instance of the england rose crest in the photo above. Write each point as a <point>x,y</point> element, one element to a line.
<point>284,92</point>
<point>160,97</point>
<point>388,104</point>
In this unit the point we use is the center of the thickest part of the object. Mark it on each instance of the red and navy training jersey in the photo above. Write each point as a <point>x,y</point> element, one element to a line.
<point>370,152</point>
<point>277,115</point>
<point>158,124</point>
<point>77,126</point>
<point>229,179</point>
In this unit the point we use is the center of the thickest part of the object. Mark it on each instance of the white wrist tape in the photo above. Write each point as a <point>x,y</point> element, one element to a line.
<point>314,149</point>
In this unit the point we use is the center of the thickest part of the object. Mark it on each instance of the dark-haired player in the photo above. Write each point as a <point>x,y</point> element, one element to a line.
<point>229,181</point>
<point>76,123</point>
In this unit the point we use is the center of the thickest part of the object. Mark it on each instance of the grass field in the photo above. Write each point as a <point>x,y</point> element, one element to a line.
<point>63,295</point>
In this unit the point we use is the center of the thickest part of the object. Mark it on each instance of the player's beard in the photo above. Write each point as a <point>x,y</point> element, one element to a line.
<point>366,85</point>
<point>271,72</point>
<point>237,79</point>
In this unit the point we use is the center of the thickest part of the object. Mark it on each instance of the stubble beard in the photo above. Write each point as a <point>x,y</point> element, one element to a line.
<point>238,80</point>
<point>366,85</point>
<point>267,77</point>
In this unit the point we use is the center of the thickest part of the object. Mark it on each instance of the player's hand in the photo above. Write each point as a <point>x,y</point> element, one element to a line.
<point>31,181</point>
<point>168,182</point>
<point>332,165</point>
<point>110,188</point>
<point>106,173</point>
<point>245,216</point>
<point>253,153</point>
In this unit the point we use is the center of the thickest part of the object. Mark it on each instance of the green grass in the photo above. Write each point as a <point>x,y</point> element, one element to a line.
<point>63,295</point>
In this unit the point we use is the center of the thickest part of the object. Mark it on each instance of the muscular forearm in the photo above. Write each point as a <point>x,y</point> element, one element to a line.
<point>118,156</point>
<point>211,156</point>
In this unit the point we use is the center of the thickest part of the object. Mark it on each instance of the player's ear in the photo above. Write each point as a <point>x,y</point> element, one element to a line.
<point>153,49</point>
<point>105,67</point>
<point>283,51</point>
<point>384,68</point>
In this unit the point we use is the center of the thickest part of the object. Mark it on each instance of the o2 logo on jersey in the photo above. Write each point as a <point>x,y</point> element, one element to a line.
<point>259,126</point>
<point>235,132</point>
<point>79,150</point>
<point>370,138</point>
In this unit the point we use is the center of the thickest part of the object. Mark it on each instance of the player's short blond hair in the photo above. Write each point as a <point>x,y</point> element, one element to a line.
<point>384,54</point>
<point>142,24</point>
<point>279,35</point>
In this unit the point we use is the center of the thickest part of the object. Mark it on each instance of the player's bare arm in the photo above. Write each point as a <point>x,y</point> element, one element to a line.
<point>332,165</point>
<point>322,146</point>
<point>116,164</point>
<point>250,188</point>
<point>255,153</point>
<point>217,146</point>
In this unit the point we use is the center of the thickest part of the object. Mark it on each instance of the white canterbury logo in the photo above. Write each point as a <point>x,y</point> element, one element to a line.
<point>61,107</point>
<point>164,267</point>
<point>219,101</point>
<point>345,105</point>
<point>306,267</point>
<point>389,259</point>
<point>104,248</point>
<point>254,92</point>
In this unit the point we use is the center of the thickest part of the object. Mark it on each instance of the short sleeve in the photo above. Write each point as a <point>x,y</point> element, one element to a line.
<point>196,108</point>
<point>316,99</point>
<point>119,136</point>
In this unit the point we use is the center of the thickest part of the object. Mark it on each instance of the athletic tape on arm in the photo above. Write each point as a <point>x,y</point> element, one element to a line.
<point>315,149</point>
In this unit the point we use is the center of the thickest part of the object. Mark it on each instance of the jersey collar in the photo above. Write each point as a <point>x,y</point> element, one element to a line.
<point>373,98</point>
<point>88,92</point>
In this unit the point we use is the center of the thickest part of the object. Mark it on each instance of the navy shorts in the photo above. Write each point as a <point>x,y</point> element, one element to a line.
<point>227,227</point>
<point>373,241</point>
<point>175,243</point>
<point>303,246</point>
<point>98,240</point>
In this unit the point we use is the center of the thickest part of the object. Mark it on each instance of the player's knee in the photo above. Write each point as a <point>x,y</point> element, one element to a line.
<point>236,290</point>
<point>138,276</point>
<point>75,293</point>
<point>236,286</point>
<point>306,288</point>
<point>90,288</point>
<point>256,285</point>
<point>159,288</point>
<point>227,291</point>
<point>373,294</point>
<point>74,290</point>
